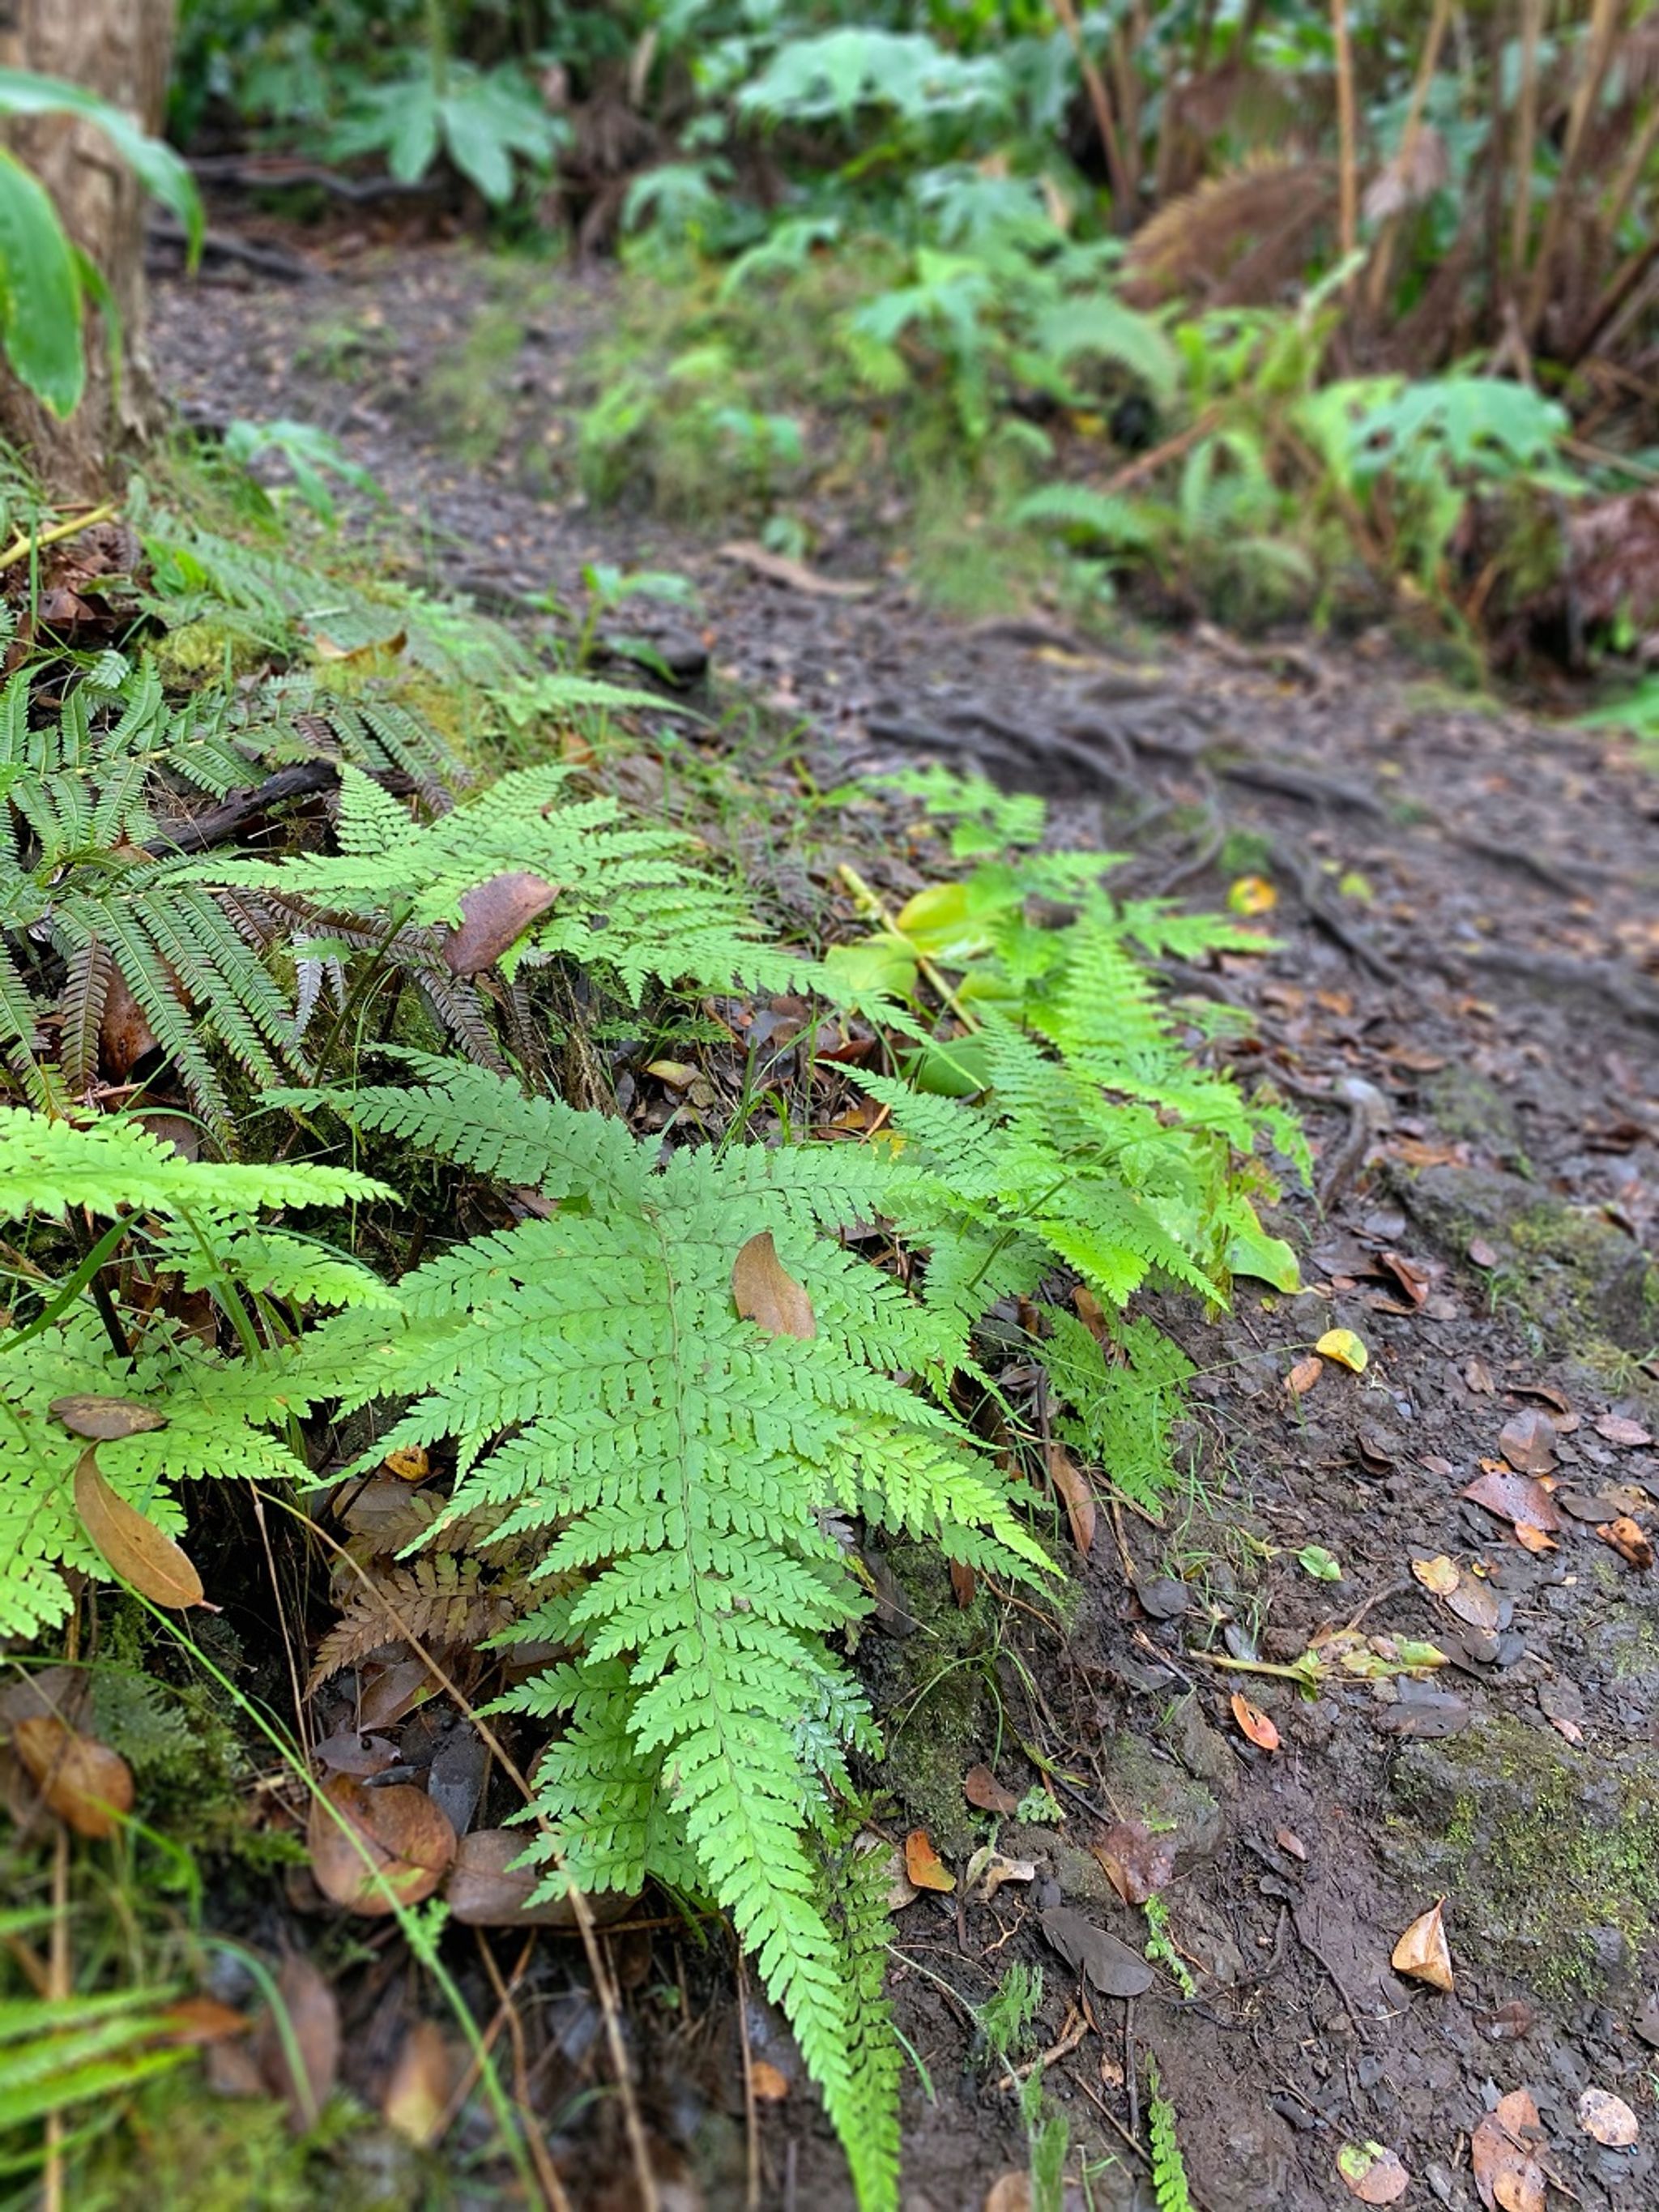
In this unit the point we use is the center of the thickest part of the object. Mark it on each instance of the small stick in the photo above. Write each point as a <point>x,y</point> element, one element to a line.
<point>1348,182</point>
<point>1121,210</point>
<point>21,548</point>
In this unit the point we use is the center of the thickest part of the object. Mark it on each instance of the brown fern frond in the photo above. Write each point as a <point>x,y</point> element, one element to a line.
<point>1196,242</point>
<point>441,1602</point>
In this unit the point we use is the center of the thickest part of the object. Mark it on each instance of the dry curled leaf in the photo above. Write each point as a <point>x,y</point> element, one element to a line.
<point>408,1463</point>
<point>1506,2174</point>
<point>139,1552</point>
<point>1009,2192</point>
<point>922,1863</point>
<point>1422,1952</point>
<point>1071,1488</point>
<point>1438,1575</point>
<point>1374,2174</point>
<point>1288,1840</point>
<point>1253,1723</point>
<point>981,1787</point>
<point>1137,1862</point>
<point>1609,2119</point>
<point>87,1785</point>
<point>765,1294</point>
<point>103,1419</point>
<point>1303,1377</point>
<point>375,1849</point>
<point>1630,1540</point>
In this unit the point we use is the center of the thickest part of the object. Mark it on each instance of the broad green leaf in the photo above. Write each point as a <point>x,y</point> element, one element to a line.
<point>157,167</point>
<point>40,292</point>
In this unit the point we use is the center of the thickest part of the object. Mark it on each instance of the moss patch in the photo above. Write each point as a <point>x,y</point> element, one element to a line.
<point>1541,1853</point>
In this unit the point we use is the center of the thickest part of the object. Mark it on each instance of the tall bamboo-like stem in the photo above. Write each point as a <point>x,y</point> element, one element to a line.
<point>1526,131</point>
<point>1603,36</point>
<point>1427,63</point>
<point>1122,210</point>
<point>1629,176</point>
<point>1348,180</point>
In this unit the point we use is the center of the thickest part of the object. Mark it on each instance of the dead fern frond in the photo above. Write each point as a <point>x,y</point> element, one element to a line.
<point>442,1601</point>
<point>1197,243</point>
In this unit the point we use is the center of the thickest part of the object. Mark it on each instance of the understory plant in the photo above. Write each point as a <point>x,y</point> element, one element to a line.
<point>672,1381</point>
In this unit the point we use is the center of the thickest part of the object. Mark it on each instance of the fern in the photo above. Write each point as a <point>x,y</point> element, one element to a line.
<point>678,1467</point>
<point>222,1416</point>
<point>1169,2184</point>
<point>630,900</point>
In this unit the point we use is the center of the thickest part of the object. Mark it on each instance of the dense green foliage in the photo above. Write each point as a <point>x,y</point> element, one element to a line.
<point>680,1480</point>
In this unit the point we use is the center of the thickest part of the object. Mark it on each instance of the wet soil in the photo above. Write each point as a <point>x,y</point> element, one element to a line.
<point>1463,1000</point>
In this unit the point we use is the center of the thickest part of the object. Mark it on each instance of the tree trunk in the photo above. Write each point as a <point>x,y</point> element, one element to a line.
<point>122,50</point>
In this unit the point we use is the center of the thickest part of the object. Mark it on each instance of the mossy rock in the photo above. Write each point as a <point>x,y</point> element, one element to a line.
<point>1550,1859</point>
<point>1466,1106</point>
<point>1579,1281</point>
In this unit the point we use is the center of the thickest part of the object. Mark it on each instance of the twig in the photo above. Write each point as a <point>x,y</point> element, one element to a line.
<point>1532,24</point>
<point>1144,464</point>
<point>751,2115</point>
<point>21,548</point>
<point>197,833</point>
<point>1348,180</point>
<point>546,2172</point>
<point>1122,208</point>
<point>1382,259</point>
<point>1603,29</point>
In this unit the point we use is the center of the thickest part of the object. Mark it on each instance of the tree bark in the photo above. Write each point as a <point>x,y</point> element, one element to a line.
<point>122,50</point>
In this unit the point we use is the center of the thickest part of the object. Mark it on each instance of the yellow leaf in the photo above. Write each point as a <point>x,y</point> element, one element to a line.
<point>1252,895</point>
<point>1346,1348</point>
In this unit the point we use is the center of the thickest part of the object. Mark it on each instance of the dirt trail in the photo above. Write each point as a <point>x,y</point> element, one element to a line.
<point>1465,1003</point>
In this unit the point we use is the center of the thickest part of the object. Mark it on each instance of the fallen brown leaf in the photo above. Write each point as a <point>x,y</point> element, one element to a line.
<point>1505,2171</point>
<point>493,917</point>
<point>139,1552</point>
<point>309,2030</point>
<point>1106,1964</point>
<point>1288,1840</point>
<point>1422,1952</point>
<point>106,1418</point>
<point>1609,2119</point>
<point>1303,1377</point>
<point>1374,2174</point>
<point>375,1849</point>
<point>1071,1488</point>
<point>765,1294</point>
<point>1629,1539</point>
<point>981,1787</point>
<point>418,2093</point>
<point>1515,1498</point>
<point>1253,1723</point>
<point>1613,1427</point>
<point>1526,1440</point>
<point>769,2083</point>
<point>1009,2192</point>
<point>922,1863</point>
<point>486,1890</point>
<point>1137,1862</point>
<point>82,1781</point>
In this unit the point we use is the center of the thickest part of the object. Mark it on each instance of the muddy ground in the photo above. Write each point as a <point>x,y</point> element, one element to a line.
<point>1464,1002</point>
